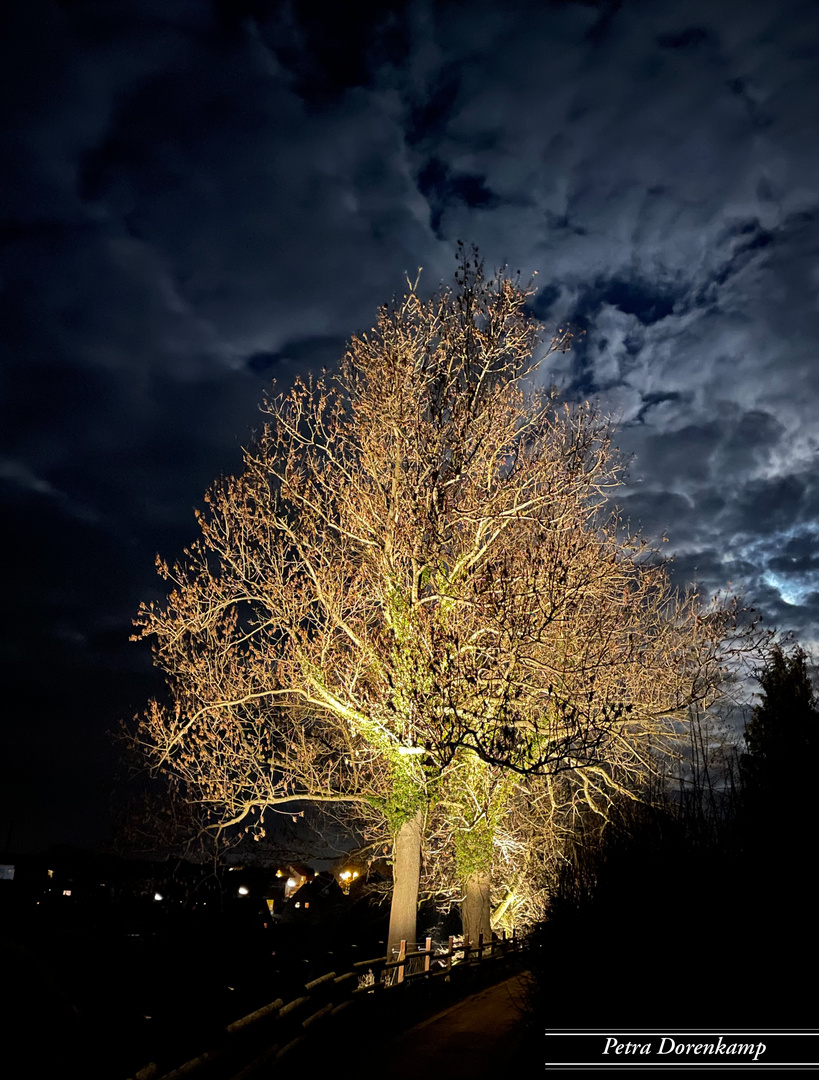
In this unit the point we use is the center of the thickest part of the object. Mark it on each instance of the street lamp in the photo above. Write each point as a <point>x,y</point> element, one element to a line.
<point>347,877</point>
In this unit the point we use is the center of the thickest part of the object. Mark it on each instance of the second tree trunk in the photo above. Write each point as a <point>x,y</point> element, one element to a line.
<point>475,909</point>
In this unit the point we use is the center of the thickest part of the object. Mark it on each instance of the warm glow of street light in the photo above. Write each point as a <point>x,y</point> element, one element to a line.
<point>346,878</point>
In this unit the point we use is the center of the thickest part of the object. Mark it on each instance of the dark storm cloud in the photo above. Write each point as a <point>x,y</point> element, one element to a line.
<point>198,197</point>
<point>670,211</point>
<point>656,512</point>
<point>800,555</point>
<point>771,506</point>
<point>440,187</point>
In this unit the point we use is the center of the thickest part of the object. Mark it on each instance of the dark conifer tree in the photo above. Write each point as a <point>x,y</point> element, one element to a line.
<point>776,821</point>
<point>781,737</point>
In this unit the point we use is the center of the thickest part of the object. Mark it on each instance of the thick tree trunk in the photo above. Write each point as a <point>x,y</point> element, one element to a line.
<point>475,908</point>
<point>406,871</point>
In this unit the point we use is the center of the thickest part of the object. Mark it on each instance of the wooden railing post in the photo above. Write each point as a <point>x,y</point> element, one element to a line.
<point>330,989</point>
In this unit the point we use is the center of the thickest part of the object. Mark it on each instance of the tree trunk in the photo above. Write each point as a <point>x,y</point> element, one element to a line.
<point>475,908</point>
<point>406,873</point>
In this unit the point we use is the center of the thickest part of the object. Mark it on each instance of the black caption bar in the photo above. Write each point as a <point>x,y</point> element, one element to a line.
<point>715,1049</point>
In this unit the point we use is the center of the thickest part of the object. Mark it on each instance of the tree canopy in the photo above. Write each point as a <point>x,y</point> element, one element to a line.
<point>418,579</point>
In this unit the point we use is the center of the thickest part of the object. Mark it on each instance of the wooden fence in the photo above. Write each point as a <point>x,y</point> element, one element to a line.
<point>380,994</point>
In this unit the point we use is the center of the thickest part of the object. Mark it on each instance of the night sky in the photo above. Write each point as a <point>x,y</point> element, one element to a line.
<point>200,196</point>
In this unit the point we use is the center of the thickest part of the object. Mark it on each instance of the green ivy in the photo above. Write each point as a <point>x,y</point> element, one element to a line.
<point>474,844</point>
<point>407,795</point>
<point>473,850</point>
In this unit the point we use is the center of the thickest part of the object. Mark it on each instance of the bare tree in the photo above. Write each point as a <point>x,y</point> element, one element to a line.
<point>416,579</point>
<point>640,669</point>
<point>647,670</point>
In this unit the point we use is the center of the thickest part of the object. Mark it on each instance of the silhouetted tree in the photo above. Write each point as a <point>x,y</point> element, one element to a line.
<point>782,736</point>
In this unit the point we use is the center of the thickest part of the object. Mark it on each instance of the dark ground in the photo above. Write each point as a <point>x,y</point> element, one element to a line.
<point>478,1037</point>
<point>102,1001</point>
<point>721,948</point>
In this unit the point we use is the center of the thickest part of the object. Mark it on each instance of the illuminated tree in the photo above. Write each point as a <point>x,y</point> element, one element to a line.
<point>414,588</point>
<point>648,663</point>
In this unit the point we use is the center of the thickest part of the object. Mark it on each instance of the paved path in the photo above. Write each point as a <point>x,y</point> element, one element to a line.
<point>475,1038</point>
